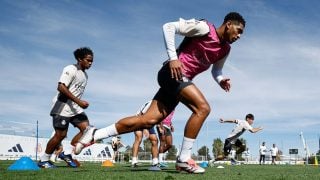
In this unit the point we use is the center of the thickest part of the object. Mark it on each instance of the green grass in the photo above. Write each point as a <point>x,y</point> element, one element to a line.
<point>90,171</point>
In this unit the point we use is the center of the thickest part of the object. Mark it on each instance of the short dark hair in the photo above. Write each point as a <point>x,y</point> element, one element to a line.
<point>250,116</point>
<point>234,16</point>
<point>81,52</point>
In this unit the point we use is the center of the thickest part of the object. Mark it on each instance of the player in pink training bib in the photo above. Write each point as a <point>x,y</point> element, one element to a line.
<point>204,46</point>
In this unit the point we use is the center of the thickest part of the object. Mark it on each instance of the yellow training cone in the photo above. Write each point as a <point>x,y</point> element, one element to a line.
<point>107,163</point>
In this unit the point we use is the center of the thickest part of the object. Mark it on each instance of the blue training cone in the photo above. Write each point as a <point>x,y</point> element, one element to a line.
<point>24,164</point>
<point>203,164</point>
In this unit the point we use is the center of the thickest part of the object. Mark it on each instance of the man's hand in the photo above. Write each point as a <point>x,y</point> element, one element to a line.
<point>83,104</point>
<point>225,84</point>
<point>175,68</point>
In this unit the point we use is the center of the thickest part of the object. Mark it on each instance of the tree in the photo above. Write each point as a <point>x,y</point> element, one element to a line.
<point>147,145</point>
<point>172,153</point>
<point>217,147</point>
<point>204,151</point>
<point>239,156</point>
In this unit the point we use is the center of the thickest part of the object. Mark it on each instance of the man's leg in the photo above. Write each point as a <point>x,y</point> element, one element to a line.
<point>154,151</point>
<point>154,115</point>
<point>195,101</point>
<point>241,146</point>
<point>135,147</point>
<point>52,144</point>
<point>81,122</point>
<point>82,127</point>
<point>168,140</point>
<point>162,143</point>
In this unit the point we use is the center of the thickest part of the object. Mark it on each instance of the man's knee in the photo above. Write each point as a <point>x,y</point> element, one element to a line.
<point>241,149</point>
<point>204,110</point>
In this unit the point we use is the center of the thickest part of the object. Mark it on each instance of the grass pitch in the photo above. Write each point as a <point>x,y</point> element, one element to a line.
<point>90,171</point>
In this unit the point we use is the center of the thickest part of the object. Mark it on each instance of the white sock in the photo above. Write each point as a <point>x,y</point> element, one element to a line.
<point>105,132</point>
<point>185,153</point>
<point>160,157</point>
<point>53,157</point>
<point>155,161</point>
<point>45,157</point>
<point>134,160</point>
<point>68,149</point>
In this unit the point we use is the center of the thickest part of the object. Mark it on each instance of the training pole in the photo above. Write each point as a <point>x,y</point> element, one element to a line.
<point>37,143</point>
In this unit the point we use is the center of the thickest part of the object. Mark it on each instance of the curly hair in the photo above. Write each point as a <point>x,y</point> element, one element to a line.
<point>80,53</point>
<point>234,16</point>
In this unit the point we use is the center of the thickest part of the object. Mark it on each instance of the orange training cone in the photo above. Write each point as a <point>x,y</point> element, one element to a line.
<point>107,163</point>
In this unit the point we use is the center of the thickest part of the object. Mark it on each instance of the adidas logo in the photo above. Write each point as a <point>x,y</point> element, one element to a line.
<point>88,152</point>
<point>105,153</point>
<point>16,148</point>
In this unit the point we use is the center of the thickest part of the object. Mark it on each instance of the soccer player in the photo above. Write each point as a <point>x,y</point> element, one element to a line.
<point>233,138</point>
<point>247,154</point>
<point>116,144</point>
<point>165,129</point>
<point>274,152</point>
<point>262,151</point>
<point>151,134</point>
<point>204,46</point>
<point>68,106</point>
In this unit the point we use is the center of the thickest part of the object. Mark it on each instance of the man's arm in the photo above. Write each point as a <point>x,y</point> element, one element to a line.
<point>228,121</point>
<point>254,130</point>
<point>62,88</point>
<point>183,27</point>
<point>216,73</point>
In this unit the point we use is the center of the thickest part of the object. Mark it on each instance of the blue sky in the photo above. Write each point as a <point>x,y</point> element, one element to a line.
<point>274,67</point>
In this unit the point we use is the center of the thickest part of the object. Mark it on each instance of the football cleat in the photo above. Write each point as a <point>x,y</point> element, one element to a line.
<point>234,162</point>
<point>163,165</point>
<point>134,165</point>
<point>190,166</point>
<point>154,167</point>
<point>46,164</point>
<point>68,159</point>
<point>85,140</point>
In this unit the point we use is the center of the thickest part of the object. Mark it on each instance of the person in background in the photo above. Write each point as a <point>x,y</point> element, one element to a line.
<point>274,151</point>
<point>262,152</point>
<point>165,129</point>
<point>233,138</point>
<point>116,144</point>
<point>149,133</point>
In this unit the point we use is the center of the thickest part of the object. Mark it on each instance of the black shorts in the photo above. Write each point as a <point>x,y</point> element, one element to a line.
<point>169,88</point>
<point>115,148</point>
<point>61,122</point>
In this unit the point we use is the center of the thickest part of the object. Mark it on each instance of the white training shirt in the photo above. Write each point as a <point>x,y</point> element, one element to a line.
<point>76,80</point>
<point>188,28</point>
<point>263,150</point>
<point>274,151</point>
<point>240,128</point>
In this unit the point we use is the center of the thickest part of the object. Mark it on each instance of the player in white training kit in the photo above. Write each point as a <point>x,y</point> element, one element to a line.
<point>152,136</point>
<point>233,138</point>
<point>204,46</point>
<point>262,151</point>
<point>68,106</point>
<point>274,151</point>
